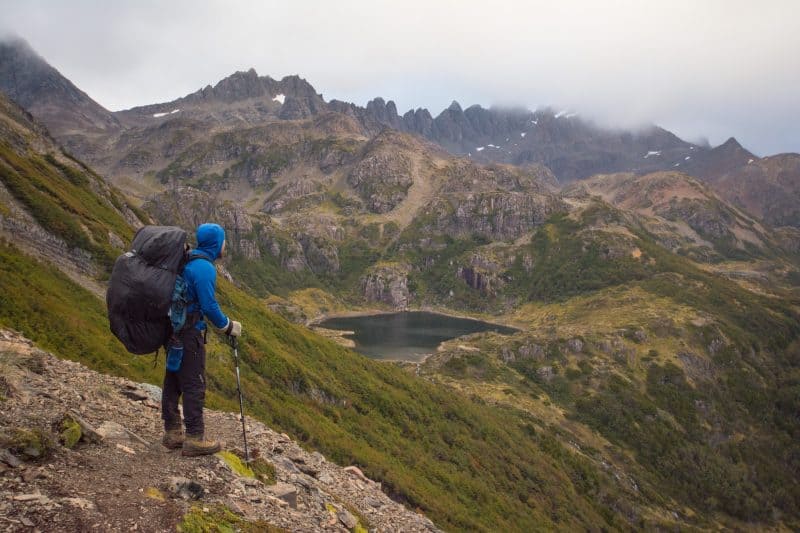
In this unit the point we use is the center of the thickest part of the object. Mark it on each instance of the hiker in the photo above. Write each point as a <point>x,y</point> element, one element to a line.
<point>189,380</point>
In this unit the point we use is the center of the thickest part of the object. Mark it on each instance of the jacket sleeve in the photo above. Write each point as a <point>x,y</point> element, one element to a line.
<point>206,287</point>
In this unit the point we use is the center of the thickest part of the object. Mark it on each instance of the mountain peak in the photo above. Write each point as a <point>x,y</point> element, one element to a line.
<point>33,83</point>
<point>455,106</point>
<point>730,143</point>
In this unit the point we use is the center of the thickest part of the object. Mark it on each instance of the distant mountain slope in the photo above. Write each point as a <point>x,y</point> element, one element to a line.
<point>70,114</point>
<point>768,187</point>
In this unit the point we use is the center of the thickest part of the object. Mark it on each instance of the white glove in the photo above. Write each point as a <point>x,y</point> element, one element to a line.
<point>234,328</point>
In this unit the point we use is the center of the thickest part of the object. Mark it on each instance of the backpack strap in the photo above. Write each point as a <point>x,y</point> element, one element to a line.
<point>195,316</point>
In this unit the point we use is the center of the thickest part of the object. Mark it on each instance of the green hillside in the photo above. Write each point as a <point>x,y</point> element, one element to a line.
<point>467,465</point>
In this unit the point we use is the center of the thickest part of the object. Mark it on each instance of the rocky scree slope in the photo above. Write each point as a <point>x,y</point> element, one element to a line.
<point>81,450</point>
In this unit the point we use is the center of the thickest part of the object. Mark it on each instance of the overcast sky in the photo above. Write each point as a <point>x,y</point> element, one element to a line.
<point>701,68</point>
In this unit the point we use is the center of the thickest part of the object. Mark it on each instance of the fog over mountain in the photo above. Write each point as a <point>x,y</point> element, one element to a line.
<point>715,70</point>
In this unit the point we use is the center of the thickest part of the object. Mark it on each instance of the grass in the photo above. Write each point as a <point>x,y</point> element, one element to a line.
<point>60,199</point>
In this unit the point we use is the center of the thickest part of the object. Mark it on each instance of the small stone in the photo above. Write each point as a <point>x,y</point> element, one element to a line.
<point>285,492</point>
<point>26,522</point>
<point>348,520</point>
<point>325,478</point>
<point>125,449</point>
<point>113,431</point>
<point>10,459</point>
<point>29,475</point>
<point>308,469</point>
<point>135,394</point>
<point>32,498</point>
<point>277,501</point>
<point>374,502</point>
<point>81,503</point>
<point>285,464</point>
<point>318,457</point>
<point>357,473</point>
<point>185,488</point>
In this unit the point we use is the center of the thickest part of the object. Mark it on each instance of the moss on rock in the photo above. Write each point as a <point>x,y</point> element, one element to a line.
<point>154,494</point>
<point>31,443</point>
<point>70,432</point>
<point>220,519</point>
<point>263,470</point>
<point>235,463</point>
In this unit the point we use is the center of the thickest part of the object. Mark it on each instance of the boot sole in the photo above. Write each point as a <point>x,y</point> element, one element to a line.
<point>198,453</point>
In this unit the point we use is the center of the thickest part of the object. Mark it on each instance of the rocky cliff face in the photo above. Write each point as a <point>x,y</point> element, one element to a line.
<point>188,207</point>
<point>387,284</point>
<point>382,180</point>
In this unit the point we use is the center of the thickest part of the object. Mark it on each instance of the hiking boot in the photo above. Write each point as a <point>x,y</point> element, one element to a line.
<point>195,445</point>
<point>172,439</point>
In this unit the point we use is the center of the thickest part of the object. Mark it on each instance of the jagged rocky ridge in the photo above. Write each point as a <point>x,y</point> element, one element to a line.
<point>573,148</point>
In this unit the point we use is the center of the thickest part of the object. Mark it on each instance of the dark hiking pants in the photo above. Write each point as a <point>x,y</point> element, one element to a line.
<point>188,381</point>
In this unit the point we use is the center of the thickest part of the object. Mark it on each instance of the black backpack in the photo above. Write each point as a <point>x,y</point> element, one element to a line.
<point>141,288</point>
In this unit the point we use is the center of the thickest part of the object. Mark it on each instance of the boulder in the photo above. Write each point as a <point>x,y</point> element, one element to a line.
<point>285,492</point>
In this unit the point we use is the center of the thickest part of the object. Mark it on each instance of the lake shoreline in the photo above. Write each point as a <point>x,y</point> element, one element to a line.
<point>497,320</point>
<point>407,336</point>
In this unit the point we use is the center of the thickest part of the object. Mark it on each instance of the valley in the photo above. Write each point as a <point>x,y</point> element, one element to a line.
<point>652,379</point>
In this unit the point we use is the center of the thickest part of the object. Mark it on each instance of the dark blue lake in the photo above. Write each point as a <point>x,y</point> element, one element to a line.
<point>407,336</point>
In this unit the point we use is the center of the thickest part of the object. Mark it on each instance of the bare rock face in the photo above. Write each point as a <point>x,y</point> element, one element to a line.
<point>294,195</point>
<point>321,255</point>
<point>493,215</point>
<point>789,238</point>
<point>188,207</point>
<point>387,284</point>
<point>481,274</point>
<point>382,180</point>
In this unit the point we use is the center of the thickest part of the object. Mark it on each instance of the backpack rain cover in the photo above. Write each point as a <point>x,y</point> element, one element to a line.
<point>140,290</point>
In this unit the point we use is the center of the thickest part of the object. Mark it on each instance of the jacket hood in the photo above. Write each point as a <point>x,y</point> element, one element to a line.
<point>209,239</point>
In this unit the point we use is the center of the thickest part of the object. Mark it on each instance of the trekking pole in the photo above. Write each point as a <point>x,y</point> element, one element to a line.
<point>235,345</point>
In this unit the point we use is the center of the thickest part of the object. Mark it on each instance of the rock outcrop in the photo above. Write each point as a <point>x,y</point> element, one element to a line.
<point>382,180</point>
<point>387,284</point>
<point>188,207</point>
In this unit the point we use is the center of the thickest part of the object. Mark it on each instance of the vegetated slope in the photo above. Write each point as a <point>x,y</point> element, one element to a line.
<point>466,464</point>
<point>676,379</point>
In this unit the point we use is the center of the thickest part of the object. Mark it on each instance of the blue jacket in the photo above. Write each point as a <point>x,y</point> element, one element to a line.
<point>201,276</point>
